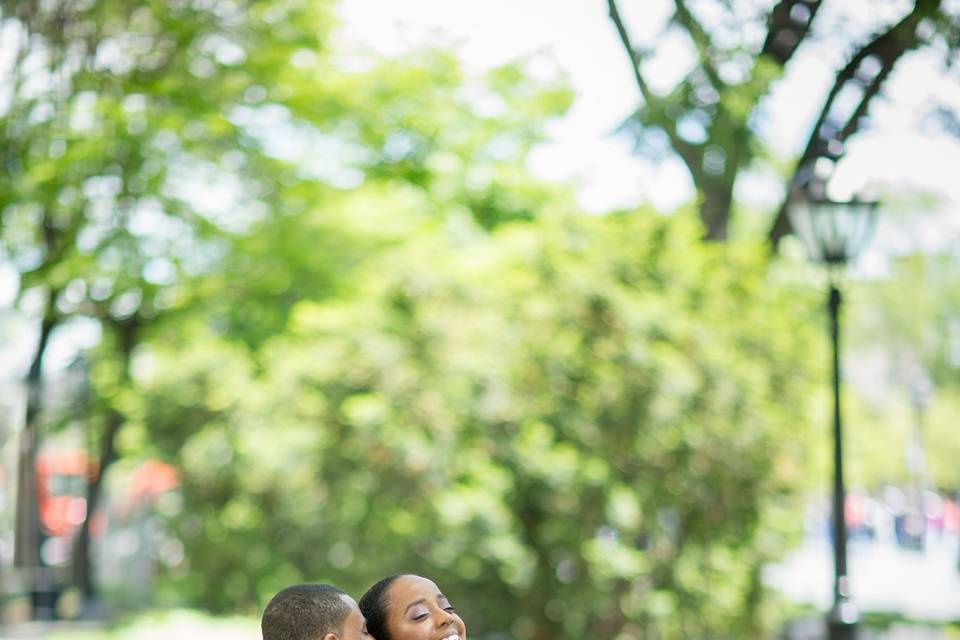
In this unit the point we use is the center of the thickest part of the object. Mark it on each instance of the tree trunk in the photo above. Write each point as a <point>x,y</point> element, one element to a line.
<point>26,551</point>
<point>82,562</point>
<point>715,203</point>
<point>127,337</point>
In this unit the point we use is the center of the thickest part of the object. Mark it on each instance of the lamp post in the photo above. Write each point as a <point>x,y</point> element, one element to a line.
<point>834,233</point>
<point>921,392</point>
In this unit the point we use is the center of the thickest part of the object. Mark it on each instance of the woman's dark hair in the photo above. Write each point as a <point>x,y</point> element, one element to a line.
<point>373,606</point>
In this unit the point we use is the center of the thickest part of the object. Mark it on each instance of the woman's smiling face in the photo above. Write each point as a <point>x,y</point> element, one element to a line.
<point>418,611</point>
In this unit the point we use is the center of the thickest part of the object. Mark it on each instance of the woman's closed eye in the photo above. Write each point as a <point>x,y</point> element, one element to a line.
<point>419,613</point>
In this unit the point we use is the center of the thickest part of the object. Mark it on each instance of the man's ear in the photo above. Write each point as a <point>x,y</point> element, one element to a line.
<point>331,636</point>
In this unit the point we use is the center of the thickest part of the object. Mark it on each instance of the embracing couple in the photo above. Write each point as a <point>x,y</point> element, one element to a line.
<point>401,607</point>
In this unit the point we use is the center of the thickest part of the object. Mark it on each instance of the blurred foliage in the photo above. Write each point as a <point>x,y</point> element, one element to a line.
<point>906,329</point>
<point>371,341</point>
<point>920,285</point>
<point>158,155</point>
<point>142,140</point>
<point>594,423</point>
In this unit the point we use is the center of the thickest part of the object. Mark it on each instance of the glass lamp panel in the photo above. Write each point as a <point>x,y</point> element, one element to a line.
<point>801,219</point>
<point>829,229</point>
<point>849,218</point>
<point>866,220</point>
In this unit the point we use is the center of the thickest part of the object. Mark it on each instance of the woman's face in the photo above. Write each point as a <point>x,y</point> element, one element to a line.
<point>418,611</point>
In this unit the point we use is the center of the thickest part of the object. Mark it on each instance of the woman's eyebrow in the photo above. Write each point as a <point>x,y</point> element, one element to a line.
<point>415,602</point>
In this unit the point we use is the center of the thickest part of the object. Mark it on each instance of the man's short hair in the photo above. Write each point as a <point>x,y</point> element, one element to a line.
<point>304,612</point>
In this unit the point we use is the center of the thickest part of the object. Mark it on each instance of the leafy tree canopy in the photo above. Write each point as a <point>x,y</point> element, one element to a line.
<point>566,416</point>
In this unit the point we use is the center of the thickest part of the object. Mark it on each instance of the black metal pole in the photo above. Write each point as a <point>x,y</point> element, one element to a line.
<point>843,616</point>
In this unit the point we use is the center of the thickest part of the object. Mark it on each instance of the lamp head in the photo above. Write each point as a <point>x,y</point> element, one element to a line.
<point>833,232</point>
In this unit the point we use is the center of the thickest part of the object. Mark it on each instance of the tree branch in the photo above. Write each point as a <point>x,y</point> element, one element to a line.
<point>870,91</point>
<point>886,48</point>
<point>631,52</point>
<point>701,40</point>
<point>787,25</point>
<point>689,153</point>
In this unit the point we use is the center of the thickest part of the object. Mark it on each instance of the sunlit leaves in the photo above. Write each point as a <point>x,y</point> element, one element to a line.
<point>561,411</point>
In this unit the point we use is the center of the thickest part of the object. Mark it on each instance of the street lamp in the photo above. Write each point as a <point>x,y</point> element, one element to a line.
<point>834,233</point>
<point>921,392</point>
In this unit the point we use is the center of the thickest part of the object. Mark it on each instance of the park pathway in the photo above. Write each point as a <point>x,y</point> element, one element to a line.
<point>919,585</point>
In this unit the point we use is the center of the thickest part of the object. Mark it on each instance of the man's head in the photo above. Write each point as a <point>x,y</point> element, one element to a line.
<point>313,612</point>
